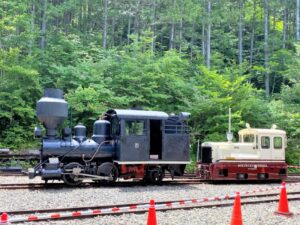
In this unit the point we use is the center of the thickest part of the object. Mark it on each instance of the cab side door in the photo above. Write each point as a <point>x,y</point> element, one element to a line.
<point>134,144</point>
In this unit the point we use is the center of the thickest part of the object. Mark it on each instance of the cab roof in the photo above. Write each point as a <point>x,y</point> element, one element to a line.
<point>138,114</point>
<point>256,131</point>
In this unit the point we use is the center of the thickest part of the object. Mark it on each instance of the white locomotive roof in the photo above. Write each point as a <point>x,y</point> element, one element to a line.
<point>226,144</point>
<point>261,131</point>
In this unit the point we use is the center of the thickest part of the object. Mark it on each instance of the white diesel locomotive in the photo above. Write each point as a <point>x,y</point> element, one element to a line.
<point>258,155</point>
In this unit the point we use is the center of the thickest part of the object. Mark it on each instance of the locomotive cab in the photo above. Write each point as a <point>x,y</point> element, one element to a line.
<point>268,143</point>
<point>149,142</point>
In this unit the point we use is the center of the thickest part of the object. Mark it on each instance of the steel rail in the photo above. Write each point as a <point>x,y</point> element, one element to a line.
<point>19,156</point>
<point>137,210</point>
<point>20,212</point>
<point>12,174</point>
<point>14,186</point>
<point>294,174</point>
<point>185,176</point>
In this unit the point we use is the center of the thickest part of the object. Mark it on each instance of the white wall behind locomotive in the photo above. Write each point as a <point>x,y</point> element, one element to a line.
<point>254,144</point>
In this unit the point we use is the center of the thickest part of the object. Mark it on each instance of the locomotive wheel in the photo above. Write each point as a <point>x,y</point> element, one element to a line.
<point>155,175</point>
<point>71,179</point>
<point>108,169</point>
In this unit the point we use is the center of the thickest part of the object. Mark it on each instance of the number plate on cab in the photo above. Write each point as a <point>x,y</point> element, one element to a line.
<point>53,160</point>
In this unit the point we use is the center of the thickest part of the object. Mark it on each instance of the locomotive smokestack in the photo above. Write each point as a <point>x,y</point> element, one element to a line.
<point>52,110</point>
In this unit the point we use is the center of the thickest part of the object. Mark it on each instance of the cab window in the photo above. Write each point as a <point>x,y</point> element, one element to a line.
<point>256,138</point>
<point>265,142</point>
<point>277,142</point>
<point>248,138</point>
<point>135,127</point>
<point>115,126</point>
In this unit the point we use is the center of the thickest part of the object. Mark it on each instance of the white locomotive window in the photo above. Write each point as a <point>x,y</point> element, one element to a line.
<point>248,138</point>
<point>135,127</point>
<point>256,138</point>
<point>265,142</point>
<point>277,142</point>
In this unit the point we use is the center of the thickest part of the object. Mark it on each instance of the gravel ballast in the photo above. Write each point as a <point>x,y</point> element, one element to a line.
<point>76,197</point>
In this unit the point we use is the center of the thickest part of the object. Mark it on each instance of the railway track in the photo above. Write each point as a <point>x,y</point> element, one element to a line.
<point>13,174</point>
<point>294,174</point>
<point>20,156</point>
<point>167,175</point>
<point>36,186</point>
<point>15,186</point>
<point>142,207</point>
<point>184,180</point>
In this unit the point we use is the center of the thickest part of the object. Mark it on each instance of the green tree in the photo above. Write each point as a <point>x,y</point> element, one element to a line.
<point>215,94</point>
<point>19,89</point>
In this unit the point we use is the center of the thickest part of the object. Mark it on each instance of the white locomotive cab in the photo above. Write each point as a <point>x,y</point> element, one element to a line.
<point>269,143</point>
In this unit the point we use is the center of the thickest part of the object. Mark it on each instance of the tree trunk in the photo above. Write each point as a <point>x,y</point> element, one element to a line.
<point>252,34</point>
<point>172,32</point>
<point>128,29</point>
<point>85,16</point>
<point>208,35</point>
<point>241,6</point>
<point>297,20</point>
<point>192,40</point>
<point>203,41</point>
<point>32,27</point>
<point>137,20</point>
<point>285,26</point>
<point>266,47</point>
<point>104,34</point>
<point>80,21</point>
<point>274,20</point>
<point>153,25</point>
<point>89,21</point>
<point>180,33</point>
<point>113,30</point>
<point>113,26</point>
<point>43,27</point>
<point>67,21</point>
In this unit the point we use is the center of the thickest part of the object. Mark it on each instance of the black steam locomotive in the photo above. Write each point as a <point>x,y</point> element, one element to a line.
<point>125,144</point>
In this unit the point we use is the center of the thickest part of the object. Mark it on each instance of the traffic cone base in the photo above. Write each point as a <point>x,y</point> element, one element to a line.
<point>288,214</point>
<point>4,218</point>
<point>283,205</point>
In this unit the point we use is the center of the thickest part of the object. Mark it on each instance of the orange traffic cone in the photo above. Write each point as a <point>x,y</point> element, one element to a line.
<point>152,214</point>
<point>283,206</point>
<point>236,217</point>
<point>4,218</point>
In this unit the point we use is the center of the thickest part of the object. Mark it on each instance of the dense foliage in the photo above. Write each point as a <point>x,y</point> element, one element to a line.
<point>200,56</point>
